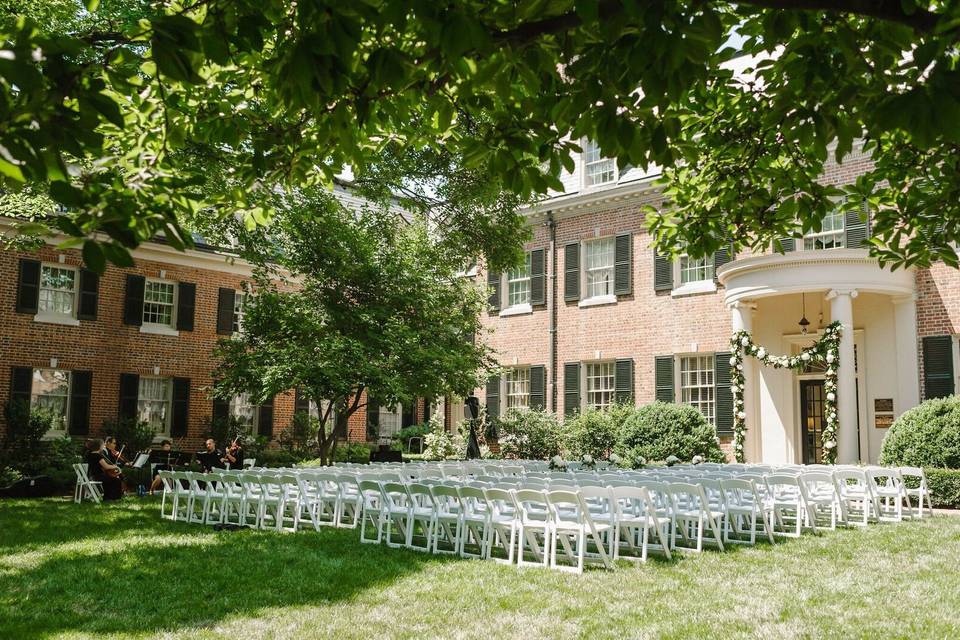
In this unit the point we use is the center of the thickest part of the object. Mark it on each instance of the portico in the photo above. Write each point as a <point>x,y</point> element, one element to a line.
<point>877,375</point>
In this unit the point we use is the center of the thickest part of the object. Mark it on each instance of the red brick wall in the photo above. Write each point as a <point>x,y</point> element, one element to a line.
<point>107,347</point>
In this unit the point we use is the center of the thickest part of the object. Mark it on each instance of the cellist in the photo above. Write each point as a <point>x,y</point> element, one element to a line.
<point>100,468</point>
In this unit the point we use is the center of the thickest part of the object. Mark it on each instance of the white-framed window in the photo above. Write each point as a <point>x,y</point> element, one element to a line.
<point>518,283</point>
<point>597,170</point>
<point>697,384</point>
<point>159,302</point>
<point>51,391</point>
<point>830,236</point>
<point>695,269</point>
<point>391,420</point>
<point>58,291</point>
<point>517,387</point>
<point>598,259</point>
<point>239,300</point>
<point>154,401</point>
<point>243,410</point>
<point>599,384</point>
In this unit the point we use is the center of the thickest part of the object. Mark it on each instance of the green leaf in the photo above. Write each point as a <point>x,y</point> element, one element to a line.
<point>93,256</point>
<point>66,194</point>
<point>91,5</point>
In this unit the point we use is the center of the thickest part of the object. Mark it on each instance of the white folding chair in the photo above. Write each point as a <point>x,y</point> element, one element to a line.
<point>921,492</point>
<point>573,528</point>
<point>744,506</point>
<point>787,501</point>
<point>635,517</point>
<point>86,487</point>
<point>504,523</point>
<point>533,528</point>
<point>854,495</point>
<point>447,519</point>
<point>475,520</point>
<point>822,497</point>
<point>372,510</point>
<point>886,486</point>
<point>692,516</point>
<point>422,514</point>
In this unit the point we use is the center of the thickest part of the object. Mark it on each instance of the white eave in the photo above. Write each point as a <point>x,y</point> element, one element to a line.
<point>590,200</point>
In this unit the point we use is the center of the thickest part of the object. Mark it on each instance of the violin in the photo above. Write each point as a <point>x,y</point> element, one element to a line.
<point>231,451</point>
<point>117,473</point>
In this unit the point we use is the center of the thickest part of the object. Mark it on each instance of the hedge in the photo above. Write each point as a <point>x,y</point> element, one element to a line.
<point>927,435</point>
<point>944,485</point>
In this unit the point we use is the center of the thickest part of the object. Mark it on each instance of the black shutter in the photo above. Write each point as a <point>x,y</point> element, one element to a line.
<point>133,300</point>
<point>662,272</point>
<point>28,286</point>
<point>21,385</point>
<point>493,397</point>
<point>623,265</point>
<point>407,415</point>
<point>623,380</point>
<point>301,403</point>
<point>221,409</point>
<point>788,244</point>
<point>571,389</point>
<point>856,225</point>
<point>663,378</point>
<point>129,395</point>
<point>81,388</point>
<point>493,282</point>
<point>180,416</point>
<point>186,305</point>
<point>722,393</point>
<point>571,272</point>
<point>340,424</point>
<point>225,303</point>
<point>265,419</point>
<point>89,295</point>
<point>937,367</point>
<point>721,257</point>
<point>538,387</point>
<point>538,288</point>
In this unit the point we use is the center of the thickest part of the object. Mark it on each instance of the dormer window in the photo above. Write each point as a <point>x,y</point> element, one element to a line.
<point>597,170</point>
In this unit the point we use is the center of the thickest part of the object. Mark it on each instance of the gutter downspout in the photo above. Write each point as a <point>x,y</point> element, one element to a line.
<point>552,331</point>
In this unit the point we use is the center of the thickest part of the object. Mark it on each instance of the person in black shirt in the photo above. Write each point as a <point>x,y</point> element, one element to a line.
<point>99,468</point>
<point>211,458</point>
<point>233,456</point>
<point>166,447</point>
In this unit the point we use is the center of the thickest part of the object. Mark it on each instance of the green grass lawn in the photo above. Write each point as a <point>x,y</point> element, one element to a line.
<point>119,571</point>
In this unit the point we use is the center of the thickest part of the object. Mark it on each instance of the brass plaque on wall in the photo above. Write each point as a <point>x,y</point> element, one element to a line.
<point>883,405</point>
<point>883,421</point>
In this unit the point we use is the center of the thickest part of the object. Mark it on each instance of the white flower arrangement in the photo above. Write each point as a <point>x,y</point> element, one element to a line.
<point>587,458</point>
<point>697,459</point>
<point>615,459</point>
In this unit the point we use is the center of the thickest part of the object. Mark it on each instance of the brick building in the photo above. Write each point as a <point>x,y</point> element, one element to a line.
<point>137,342</point>
<point>595,315</point>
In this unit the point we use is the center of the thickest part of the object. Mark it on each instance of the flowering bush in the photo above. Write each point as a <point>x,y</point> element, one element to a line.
<point>529,434</point>
<point>438,445</point>
<point>558,464</point>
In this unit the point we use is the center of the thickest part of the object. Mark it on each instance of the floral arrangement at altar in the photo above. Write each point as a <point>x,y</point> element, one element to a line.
<point>826,350</point>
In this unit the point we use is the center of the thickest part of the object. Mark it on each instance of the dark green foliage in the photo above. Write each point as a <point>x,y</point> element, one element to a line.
<point>944,485</point>
<point>660,430</point>
<point>927,435</point>
<point>591,432</point>
<point>131,434</point>
<point>301,433</point>
<point>529,434</point>
<point>413,431</point>
<point>353,452</point>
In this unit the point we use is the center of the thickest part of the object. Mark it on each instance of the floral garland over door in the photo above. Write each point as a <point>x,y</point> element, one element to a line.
<point>825,350</point>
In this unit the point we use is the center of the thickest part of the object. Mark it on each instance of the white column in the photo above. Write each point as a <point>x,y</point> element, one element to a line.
<point>848,441</point>
<point>742,320</point>
<point>908,371</point>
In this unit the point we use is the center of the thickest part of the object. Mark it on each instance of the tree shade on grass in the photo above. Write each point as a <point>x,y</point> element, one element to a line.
<point>119,571</point>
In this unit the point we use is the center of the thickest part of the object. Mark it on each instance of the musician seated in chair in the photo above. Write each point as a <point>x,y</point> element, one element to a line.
<point>211,458</point>
<point>233,456</point>
<point>100,468</point>
<point>166,447</point>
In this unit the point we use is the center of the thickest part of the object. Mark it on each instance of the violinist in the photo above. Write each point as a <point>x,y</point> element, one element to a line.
<point>233,456</point>
<point>101,469</point>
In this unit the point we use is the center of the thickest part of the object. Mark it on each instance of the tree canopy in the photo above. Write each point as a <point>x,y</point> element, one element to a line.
<point>103,105</point>
<point>348,302</point>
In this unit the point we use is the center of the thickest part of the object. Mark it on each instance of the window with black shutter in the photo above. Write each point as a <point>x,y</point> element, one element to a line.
<point>571,272</point>
<point>623,265</point>
<point>856,225</point>
<point>301,403</point>
<point>721,257</point>
<point>28,286</point>
<point>21,385</point>
<point>538,384</point>
<point>129,392</point>
<point>373,418</point>
<point>225,310</point>
<point>221,410</point>
<point>663,378</point>
<point>186,305</point>
<point>133,300</point>
<point>538,277</point>
<point>722,393</point>
<point>493,283</point>
<point>662,272</point>
<point>571,389</point>
<point>938,367</point>
<point>265,418</point>
<point>89,295</point>
<point>623,381</point>
<point>180,412</point>
<point>493,397</point>
<point>81,390</point>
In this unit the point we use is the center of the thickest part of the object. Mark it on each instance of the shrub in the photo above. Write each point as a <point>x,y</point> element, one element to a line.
<point>661,430</point>
<point>592,433</point>
<point>9,475</point>
<point>927,435</point>
<point>131,434</point>
<point>944,484</point>
<point>301,433</point>
<point>438,445</point>
<point>279,457</point>
<point>352,452</point>
<point>26,428</point>
<point>403,436</point>
<point>529,434</point>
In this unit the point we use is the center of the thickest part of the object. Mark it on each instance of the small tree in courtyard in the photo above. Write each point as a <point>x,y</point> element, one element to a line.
<point>371,306</point>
